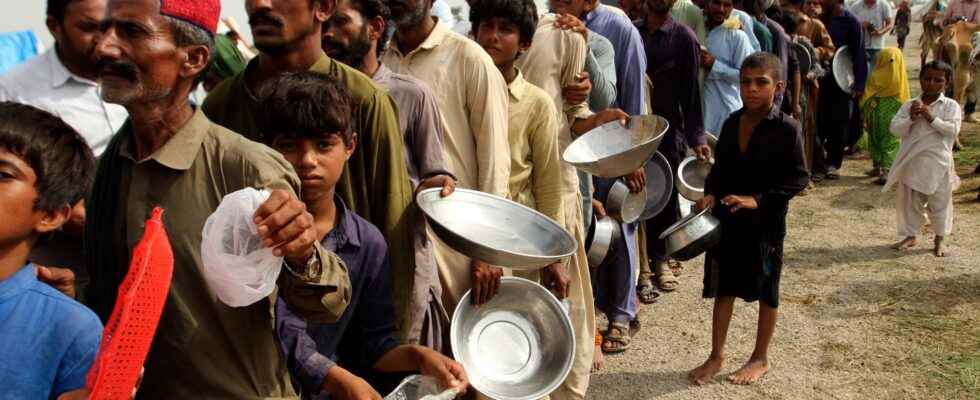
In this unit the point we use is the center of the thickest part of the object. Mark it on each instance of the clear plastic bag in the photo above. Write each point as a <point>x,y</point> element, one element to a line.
<point>419,387</point>
<point>237,267</point>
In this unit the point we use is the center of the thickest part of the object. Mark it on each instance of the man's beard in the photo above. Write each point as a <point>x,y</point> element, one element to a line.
<point>352,54</point>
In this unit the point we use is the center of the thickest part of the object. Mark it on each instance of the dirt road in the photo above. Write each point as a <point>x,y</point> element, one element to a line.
<point>858,320</point>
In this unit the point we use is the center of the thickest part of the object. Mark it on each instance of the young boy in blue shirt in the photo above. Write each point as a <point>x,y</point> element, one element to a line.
<point>305,117</point>
<point>49,341</point>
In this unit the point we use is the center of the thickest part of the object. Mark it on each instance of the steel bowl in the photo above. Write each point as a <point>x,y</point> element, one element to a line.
<point>623,205</point>
<point>843,69</point>
<point>495,230</point>
<point>690,178</point>
<point>517,346</point>
<point>660,186</point>
<point>693,235</point>
<point>602,235</point>
<point>804,57</point>
<point>710,139</point>
<point>613,150</point>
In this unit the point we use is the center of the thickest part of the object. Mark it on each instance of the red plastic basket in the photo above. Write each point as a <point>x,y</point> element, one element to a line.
<point>127,337</point>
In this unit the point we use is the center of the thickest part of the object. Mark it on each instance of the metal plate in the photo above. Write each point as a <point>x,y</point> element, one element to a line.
<point>803,57</point>
<point>660,186</point>
<point>517,346</point>
<point>613,150</point>
<point>843,69</point>
<point>495,230</point>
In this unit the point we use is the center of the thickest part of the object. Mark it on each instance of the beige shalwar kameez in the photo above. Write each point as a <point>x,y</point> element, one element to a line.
<point>923,173</point>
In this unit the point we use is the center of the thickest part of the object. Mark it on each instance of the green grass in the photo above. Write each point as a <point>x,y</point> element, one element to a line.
<point>947,352</point>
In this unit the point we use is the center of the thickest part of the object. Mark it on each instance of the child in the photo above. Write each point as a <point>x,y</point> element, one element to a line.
<point>923,171</point>
<point>887,89</point>
<point>305,117</point>
<point>49,340</point>
<point>758,168</point>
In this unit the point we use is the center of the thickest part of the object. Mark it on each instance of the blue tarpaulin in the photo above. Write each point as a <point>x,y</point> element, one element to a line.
<point>16,47</point>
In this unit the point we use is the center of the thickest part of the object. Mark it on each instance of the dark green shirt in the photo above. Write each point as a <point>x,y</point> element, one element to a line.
<point>375,184</point>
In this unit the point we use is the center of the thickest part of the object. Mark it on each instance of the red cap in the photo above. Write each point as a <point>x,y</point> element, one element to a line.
<point>202,13</point>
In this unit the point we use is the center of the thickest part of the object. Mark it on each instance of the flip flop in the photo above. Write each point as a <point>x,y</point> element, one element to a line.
<point>616,339</point>
<point>667,282</point>
<point>646,292</point>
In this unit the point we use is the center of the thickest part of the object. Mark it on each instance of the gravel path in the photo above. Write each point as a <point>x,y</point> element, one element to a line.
<point>858,320</point>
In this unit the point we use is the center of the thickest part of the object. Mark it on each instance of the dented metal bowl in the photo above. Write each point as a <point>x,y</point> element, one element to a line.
<point>613,150</point>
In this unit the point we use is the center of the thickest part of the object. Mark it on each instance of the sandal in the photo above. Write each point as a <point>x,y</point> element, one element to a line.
<point>646,292</point>
<point>617,339</point>
<point>667,282</point>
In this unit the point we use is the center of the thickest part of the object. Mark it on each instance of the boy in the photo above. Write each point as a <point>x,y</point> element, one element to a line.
<point>49,340</point>
<point>758,168</point>
<point>305,117</point>
<point>923,169</point>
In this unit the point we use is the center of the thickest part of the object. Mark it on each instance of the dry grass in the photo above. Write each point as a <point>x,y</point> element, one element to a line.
<point>858,320</point>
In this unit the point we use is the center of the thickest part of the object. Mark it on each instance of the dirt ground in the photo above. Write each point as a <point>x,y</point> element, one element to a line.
<point>858,320</point>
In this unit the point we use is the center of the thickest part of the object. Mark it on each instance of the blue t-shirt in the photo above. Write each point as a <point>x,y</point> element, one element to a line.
<point>47,340</point>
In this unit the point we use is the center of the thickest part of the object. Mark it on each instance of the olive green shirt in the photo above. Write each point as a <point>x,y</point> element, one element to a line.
<point>204,348</point>
<point>375,184</point>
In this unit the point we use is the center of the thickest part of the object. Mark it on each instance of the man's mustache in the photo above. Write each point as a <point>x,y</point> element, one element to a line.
<point>121,69</point>
<point>264,17</point>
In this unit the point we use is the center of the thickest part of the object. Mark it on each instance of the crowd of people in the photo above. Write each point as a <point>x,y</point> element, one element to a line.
<point>352,107</point>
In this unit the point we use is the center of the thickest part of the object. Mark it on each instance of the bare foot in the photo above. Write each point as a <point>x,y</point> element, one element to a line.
<point>905,244</point>
<point>598,359</point>
<point>705,373</point>
<point>750,373</point>
<point>939,250</point>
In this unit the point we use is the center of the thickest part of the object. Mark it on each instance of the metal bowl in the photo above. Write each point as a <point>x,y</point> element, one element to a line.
<point>602,234</point>
<point>660,186</point>
<point>517,346</point>
<point>623,205</point>
<point>804,57</point>
<point>691,175</point>
<point>612,150</point>
<point>495,230</point>
<point>693,235</point>
<point>843,69</point>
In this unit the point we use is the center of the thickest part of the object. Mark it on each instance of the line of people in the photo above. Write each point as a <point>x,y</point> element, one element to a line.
<point>350,108</point>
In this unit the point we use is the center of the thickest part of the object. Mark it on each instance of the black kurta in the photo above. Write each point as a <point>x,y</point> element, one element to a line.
<point>748,260</point>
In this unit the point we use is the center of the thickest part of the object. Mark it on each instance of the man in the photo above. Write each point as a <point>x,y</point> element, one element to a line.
<point>838,108</point>
<point>472,97</point>
<point>630,59</point>
<point>375,184</point>
<point>354,36</point>
<point>151,55</point>
<point>674,57</point>
<point>726,47</point>
<point>812,29</point>
<point>687,13</point>
<point>62,81</point>
<point>876,20</point>
<point>967,10</point>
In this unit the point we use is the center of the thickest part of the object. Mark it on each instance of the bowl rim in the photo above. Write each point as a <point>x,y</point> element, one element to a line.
<point>424,194</point>
<point>597,131</point>
<point>661,160</point>
<point>680,172</point>
<point>683,222</point>
<point>565,318</point>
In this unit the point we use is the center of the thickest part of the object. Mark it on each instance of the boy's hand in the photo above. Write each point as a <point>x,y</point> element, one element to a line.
<point>446,182</point>
<point>341,384</point>
<point>703,152</point>
<point>555,278</point>
<point>636,181</point>
<point>705,202</point>
<point>449,373</point>
<point>707,60</point>
<point>62,279</point>
<point>598,208</point>
<point>736,203</point>
<point>926,114</point>
<point>577,93</point>
<point>284,224</point>
<point>486,281</point>
<point>572,23</point>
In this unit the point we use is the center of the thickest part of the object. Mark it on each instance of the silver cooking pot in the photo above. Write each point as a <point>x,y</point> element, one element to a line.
<point>693,235</point>
<point>603,234</point>
<point>623,205</point>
